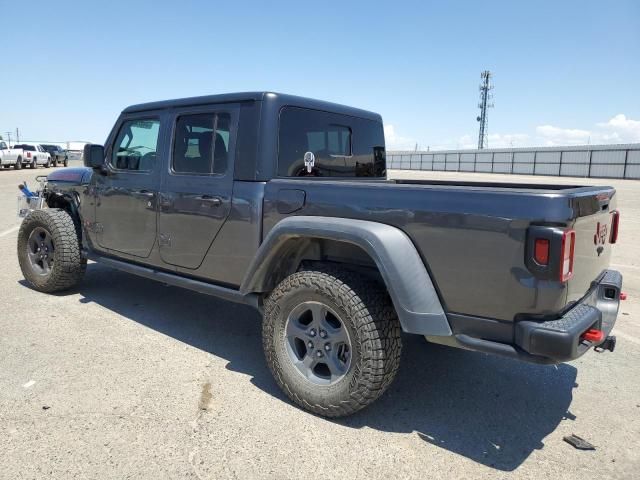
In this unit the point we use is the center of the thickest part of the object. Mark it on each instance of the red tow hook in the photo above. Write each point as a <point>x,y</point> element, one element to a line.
<point>623,296</point>
<point>593,335</point>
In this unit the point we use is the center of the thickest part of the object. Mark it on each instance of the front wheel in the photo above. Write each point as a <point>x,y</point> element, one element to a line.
<point>331,340</point>
<point>49,250</point>
<point>34,163</point>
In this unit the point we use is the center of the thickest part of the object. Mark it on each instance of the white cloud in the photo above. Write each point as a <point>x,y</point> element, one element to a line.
<point>495,140</point>
<point>508,140</point>
<point>394,141</point>
<point>621,129</point>
<point>618,129</point>
<point>549,135</point>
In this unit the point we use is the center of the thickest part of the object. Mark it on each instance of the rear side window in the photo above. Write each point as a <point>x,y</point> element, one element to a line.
<point>343,146</point>
<point>201,144</point>
<point>136,145</point>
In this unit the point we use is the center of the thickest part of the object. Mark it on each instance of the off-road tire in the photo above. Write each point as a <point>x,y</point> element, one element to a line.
<point>68,264</point>
<point>366,309</point>
<point>66,162</point>
<point>18,164</point>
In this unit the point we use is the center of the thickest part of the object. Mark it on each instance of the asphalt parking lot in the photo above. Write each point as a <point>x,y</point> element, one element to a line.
<point>127,378</point>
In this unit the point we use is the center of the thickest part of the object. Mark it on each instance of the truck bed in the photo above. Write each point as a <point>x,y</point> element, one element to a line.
<point>471,235</point>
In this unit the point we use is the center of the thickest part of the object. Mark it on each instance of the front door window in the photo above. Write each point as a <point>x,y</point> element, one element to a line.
<point>136,145</point>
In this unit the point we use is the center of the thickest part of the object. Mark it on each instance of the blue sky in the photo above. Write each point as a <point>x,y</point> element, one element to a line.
<point>565,71</point>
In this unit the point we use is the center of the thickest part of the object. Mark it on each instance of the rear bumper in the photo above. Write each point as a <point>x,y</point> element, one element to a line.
<point>560,340</point>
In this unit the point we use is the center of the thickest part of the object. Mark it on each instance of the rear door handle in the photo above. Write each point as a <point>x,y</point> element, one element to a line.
<point>215,201</point>
<point>144,193</point>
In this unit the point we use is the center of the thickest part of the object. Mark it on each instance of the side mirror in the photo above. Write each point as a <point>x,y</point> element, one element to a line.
<point>93,155</point>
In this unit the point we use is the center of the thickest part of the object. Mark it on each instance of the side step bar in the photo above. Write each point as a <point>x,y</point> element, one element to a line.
<point>501,349</point>
<point>177,280</point>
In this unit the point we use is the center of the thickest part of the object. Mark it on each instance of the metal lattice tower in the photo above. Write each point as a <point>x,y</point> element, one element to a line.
<point>485,102</point>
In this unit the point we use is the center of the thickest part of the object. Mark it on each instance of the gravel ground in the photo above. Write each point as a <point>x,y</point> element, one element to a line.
<point>127,378</point>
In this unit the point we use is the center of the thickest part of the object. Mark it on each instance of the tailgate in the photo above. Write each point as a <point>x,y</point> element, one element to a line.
<point>594,225</point>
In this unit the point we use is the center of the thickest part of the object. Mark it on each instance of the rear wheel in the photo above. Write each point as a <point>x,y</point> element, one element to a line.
<point>18,164</point>
<point>66,161</point>
<point>49,251</point>
<point>332,340</point>
<point>55,162</point>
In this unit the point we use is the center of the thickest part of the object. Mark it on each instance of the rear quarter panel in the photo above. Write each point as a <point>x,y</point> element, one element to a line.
<point>472,239</point>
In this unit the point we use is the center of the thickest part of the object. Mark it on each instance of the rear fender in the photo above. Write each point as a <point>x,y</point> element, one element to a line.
<point>407,280</point>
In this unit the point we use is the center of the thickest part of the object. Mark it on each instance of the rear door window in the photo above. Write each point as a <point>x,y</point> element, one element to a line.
<point>201,144</point>
<point>343,146</point>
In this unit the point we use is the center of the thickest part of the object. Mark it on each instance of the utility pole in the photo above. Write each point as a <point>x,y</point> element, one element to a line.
<point>17,135</point>
<point>8,138</point>
<point>485,102</point>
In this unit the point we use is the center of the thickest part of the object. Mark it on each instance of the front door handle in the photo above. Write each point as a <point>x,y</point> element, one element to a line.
<point>144,193</point>
<point>214,201</point>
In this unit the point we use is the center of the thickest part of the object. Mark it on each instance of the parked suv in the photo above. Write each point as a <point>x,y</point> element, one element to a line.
<point>282,203</point>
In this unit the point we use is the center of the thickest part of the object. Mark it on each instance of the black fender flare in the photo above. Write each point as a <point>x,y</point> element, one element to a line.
<point>410,287</point>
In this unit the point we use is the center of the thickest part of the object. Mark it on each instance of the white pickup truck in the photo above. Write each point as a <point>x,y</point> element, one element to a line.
<point>24,154</point>
<point>9,156</point>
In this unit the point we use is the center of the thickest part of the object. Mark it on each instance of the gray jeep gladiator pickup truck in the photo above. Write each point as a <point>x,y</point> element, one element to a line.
<point>283,203</point>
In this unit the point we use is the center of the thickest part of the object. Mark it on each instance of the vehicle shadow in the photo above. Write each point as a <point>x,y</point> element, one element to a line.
<point>491,410</point>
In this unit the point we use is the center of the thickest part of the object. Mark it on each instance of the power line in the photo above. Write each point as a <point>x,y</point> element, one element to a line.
<point>485,102</point>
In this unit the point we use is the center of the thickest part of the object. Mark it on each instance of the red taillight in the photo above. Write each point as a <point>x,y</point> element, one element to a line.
<point>566,255</point>
<point>615,223</point>
<point>28,154</point>
<point>541,251</point>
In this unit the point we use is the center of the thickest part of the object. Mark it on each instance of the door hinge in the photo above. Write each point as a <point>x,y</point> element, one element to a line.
<point>164,240</point>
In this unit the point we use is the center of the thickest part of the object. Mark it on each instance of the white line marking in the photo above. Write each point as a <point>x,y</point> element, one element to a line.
<point>11,230</point>
<point>29,384</point>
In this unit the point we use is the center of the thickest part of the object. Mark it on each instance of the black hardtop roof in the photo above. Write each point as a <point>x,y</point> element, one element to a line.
<point>278,98</point>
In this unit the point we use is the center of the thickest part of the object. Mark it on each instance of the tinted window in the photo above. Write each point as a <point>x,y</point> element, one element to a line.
<point>343,146</point>
<point>201,144</point>
<point>3,146</point>
<point>136,145</point>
